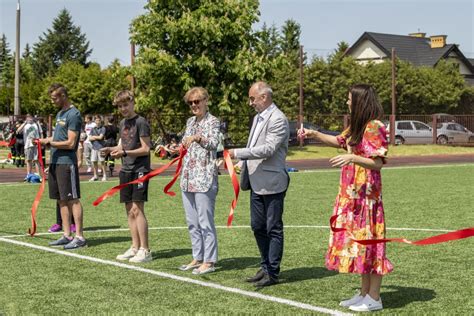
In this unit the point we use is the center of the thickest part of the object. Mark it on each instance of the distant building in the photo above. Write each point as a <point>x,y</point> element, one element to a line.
<point>415,48</point>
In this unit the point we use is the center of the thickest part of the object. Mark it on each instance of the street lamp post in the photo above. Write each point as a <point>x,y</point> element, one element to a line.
<point>17,109</point>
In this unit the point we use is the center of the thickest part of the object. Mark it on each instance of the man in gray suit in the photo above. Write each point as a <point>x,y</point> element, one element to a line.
<point>264,174</point>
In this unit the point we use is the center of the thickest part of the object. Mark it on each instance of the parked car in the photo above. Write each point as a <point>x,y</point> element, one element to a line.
<point>411,132</point>
<point>293,140</point>
<point>450,132</point>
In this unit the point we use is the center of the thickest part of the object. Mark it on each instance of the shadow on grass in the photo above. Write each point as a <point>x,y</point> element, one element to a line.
<point>238,263</point>
<point>400,296</point>
<point>305,273</point>
<point>170,253</point>
<point>97,241</point>
<point>94,228</point>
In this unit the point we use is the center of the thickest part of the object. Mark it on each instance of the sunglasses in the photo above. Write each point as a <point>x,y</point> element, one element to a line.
<point>195,102</point>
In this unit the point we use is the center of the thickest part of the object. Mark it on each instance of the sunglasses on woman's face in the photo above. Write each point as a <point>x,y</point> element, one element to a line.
<point>195,102</point>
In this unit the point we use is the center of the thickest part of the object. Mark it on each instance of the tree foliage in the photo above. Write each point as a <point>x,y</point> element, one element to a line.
<point>63,43</point>
<point>190,43</point>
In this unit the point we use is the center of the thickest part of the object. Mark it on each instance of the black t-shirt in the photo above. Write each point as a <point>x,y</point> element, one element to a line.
<point>130,132</point>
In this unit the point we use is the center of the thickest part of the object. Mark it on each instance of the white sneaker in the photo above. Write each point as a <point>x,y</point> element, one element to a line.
<point>367,304</point>
<point>352,301</point>
<point>104,178</point>
<point>93,179</point>
<point>130,253</point>
<point>100,170</point>
<point>142,255</point>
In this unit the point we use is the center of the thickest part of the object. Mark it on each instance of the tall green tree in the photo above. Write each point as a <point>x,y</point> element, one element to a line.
<point>6,75</point>
<point>64,42</point>
<point>188,43</point>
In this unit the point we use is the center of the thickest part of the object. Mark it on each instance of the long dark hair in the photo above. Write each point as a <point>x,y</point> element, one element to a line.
<point>365,108</point>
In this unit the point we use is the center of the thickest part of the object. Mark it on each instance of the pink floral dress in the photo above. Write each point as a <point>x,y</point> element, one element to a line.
<point>360,209</point>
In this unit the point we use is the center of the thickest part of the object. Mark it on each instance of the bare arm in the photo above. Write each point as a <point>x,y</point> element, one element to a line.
<point>329,140</point>
<point>65,144</point>
<point>368,163</point>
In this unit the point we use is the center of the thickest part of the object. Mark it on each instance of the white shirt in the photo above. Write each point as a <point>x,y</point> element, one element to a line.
<point>258,125</point>
<point>88,128</point>
<point>31,131</point>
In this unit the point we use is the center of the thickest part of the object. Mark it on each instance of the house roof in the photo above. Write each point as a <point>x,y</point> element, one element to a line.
<point>416,50</point>
<point>471,60</point>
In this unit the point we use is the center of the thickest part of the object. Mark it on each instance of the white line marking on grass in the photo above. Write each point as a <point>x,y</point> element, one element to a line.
<point>181,279</point>
<point>221,227</point>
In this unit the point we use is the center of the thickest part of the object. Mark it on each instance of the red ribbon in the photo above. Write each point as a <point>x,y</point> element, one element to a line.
<point>4,144</point>
<point>34,207</point>
<point>230,167</point>
<point>455,235</point>
<point>154,173</point>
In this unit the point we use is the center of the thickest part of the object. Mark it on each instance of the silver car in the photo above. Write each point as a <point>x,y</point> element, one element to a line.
<point>450,132</point>
<point>411,132</point>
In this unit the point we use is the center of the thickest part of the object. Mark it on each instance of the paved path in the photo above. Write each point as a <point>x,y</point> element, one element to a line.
<point>17,174</point>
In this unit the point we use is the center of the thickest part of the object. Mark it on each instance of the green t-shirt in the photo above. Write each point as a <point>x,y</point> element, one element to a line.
<point>66,120</point>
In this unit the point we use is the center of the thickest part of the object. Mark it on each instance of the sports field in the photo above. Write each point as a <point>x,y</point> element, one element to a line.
<point>419,202</point>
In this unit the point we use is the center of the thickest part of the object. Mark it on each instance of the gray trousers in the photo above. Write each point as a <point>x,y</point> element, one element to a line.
<point>88,153</point>
<point>199,208</point>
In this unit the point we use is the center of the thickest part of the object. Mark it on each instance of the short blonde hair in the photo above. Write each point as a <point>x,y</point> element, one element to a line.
<point>123,97</point>
<point>200,91</point>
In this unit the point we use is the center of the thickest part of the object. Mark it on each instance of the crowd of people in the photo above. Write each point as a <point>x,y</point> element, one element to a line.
<point>358,207</point>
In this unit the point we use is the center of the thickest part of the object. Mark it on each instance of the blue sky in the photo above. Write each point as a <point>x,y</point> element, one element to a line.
<point>323,23</point>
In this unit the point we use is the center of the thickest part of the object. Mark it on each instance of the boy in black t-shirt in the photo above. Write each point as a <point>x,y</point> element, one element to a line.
<point>134,149</point>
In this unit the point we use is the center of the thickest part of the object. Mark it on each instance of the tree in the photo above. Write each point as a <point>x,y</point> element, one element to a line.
<point>290,41</point>
<point>190,43</point>
<point>63,43</point>
<point>6,76</point>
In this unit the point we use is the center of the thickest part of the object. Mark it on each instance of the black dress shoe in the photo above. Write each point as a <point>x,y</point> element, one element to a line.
<point>257,277</point>
<point>267,280</point>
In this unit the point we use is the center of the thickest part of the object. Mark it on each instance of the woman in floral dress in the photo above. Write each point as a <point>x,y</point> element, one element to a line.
<point>358,210</point>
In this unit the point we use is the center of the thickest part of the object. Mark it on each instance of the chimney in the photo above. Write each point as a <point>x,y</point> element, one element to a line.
<point>438,41</point>
<point>422,35</point>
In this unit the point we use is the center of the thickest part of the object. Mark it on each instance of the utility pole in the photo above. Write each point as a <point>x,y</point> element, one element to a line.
<point>17,109</point>
<point>132,61</point>
<point>300,116</point>
<point>394,99</point>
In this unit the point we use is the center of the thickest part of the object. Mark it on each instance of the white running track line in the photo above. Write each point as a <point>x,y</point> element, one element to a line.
<point>221,227</point>
<point>302,171</point>
<point>181,279</point>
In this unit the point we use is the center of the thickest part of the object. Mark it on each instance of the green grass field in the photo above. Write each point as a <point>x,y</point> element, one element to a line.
<point>427,280</point>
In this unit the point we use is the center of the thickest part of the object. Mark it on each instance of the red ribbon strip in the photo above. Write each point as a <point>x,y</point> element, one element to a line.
<point>154,173</point>
<point>230,168</point>
<point>455,235</point>
<point>34,207</point>
<point>4,144</point>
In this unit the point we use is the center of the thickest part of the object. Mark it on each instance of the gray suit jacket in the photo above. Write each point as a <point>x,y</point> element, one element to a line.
<point>264,168</point>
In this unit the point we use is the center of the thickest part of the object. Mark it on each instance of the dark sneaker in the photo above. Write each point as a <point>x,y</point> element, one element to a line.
<point>75,244</point>
<point>61,241</point>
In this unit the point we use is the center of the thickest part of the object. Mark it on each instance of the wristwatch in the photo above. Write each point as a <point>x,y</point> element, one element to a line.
<point>124,153</point>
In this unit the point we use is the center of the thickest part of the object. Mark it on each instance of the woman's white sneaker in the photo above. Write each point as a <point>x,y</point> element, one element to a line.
<point>352,301</point>
<point>367,304</point>
<point>142,255</point>
<point>130,253</point>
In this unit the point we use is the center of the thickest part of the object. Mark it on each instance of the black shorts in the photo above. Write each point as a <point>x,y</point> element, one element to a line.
<point>220,154</point>
<point>63,182</point>
<point>133,192</point>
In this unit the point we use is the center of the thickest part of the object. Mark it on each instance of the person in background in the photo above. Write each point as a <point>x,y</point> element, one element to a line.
<point>359,207</point>
<point>97,138</point>
<point>19,144</point>
<point>31,131</point>
<point>89,125</point>
<point>111,132</point>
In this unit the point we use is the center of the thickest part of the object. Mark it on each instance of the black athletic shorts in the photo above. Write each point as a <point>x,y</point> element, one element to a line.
<point>63,182</point>
<point>133,192</point>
